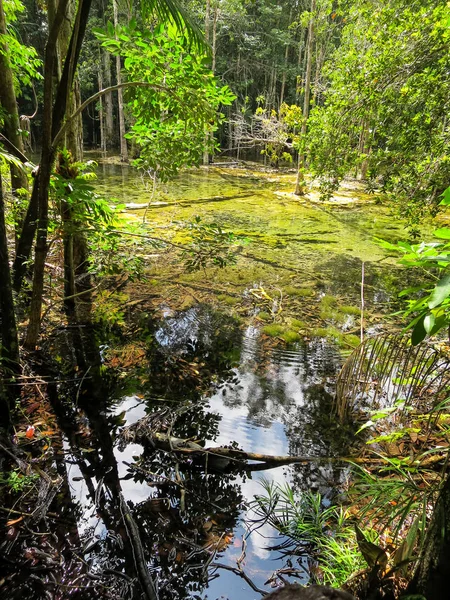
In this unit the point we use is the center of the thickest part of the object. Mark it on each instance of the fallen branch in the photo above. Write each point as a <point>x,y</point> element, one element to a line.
<point>240,458</point>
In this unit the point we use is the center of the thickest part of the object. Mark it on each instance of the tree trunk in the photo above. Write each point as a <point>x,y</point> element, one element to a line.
<point>109,117</point>
<point>299,185</point>
<point>9,104</point>
<point>286,57</point>
<point>9,341</point>
<point>431,576</point>
<point>283,78</point>
<point>208,40</point>
<point>101,115</point>
<point>25,243</point>
<point>53,116</point>
<point>123,141</point>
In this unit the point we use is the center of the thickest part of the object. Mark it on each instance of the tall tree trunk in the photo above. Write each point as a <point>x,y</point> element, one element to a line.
<point>9,104</point>
<point>25,242</point>
<point>101,115</point>
<point>73,141</point>
<point>53,116</point>
<point>214,37</point>
<point>123,141</point>
<point>286,57</point>
<point>109,116</point>
<point>9,343</point>
<point>299,185</point>
<point>283,78</point>
<point>208,41</point>
<point>298,87</point>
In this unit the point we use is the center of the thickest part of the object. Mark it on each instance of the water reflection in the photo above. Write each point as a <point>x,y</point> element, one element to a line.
<point>272,401</point>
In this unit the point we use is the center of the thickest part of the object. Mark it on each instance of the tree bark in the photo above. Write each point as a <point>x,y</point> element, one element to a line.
<point>9,104</point>
<point>53,115</point>
<point>9,346</point>
<point>109,117</point>
<point>123,141</point>
<point>299,185</point>
<point>101,115</point>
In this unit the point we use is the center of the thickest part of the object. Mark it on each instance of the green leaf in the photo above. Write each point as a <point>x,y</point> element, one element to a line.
<point>419,332</point>
<point>443,233</point>
<point>440,292</point>
<point>429,322</point>
<point>445,197</point>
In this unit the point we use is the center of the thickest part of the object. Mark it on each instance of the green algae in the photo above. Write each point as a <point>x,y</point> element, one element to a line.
<point>228,300</point>
<point>328,302</point>
<point>343,340</point>
<point>264,316</point>
<point>273,330</point>
<point>290,337</point>
<point>297,324</point>
<point>298,248</point>
<point>301,292</point>
<point>350,310</point>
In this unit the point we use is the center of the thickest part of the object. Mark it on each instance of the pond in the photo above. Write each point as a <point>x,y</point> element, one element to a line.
<point>242,357</point>
<point>264,398</point>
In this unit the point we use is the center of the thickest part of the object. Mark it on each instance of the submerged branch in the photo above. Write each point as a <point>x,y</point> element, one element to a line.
<point>240,458</point>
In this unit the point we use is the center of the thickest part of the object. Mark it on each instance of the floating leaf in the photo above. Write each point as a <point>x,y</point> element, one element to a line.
<point>14,521</point>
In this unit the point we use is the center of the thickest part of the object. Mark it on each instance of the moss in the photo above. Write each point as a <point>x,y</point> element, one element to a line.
<point>328,314</point>
<point>350,310</point>
<point>264,316</point>
<point>273,330</point>
<point>328,302</point>
<point>230,300</point>
<point>328,332</point>
<point>352,340</point>
<point>297,324</point>
<point>300,292</point>
<point>290,337</point>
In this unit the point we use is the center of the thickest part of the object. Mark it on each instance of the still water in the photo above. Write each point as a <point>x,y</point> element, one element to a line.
<point>222,380</point>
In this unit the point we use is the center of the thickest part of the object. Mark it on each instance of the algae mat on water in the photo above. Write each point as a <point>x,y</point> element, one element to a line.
<point>293,243</point>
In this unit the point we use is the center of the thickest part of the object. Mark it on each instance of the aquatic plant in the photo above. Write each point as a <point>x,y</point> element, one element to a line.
<point>273,330</point>
<point>290,336</point>
<point>313,528</point>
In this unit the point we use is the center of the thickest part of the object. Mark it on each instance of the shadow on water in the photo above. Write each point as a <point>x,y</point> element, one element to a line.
<point>125,515</point>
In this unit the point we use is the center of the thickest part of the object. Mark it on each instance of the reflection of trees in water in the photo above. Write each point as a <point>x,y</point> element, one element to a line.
<point>190,510</point>
<point>180,524</point>
<point>190,350</point>
<point>314,430</point>
<point>182,539</point>
<point>280,382</point>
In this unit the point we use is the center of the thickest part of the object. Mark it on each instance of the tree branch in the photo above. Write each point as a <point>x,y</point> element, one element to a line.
<point>98,95</point>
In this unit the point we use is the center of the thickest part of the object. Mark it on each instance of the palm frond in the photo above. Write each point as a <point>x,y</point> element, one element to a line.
<point>172,11</point>
<point>386,369</point>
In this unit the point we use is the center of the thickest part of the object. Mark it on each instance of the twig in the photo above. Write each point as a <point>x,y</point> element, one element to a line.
<point>241,574</point>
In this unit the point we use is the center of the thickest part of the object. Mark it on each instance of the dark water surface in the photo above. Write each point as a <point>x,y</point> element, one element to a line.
<point>273,402</point>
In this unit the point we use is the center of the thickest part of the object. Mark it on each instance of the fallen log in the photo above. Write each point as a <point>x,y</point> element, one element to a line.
<point>222,456</point>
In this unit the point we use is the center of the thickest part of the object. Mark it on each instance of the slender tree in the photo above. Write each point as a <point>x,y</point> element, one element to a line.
<point>299,185</point>
<point>9,103</point>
